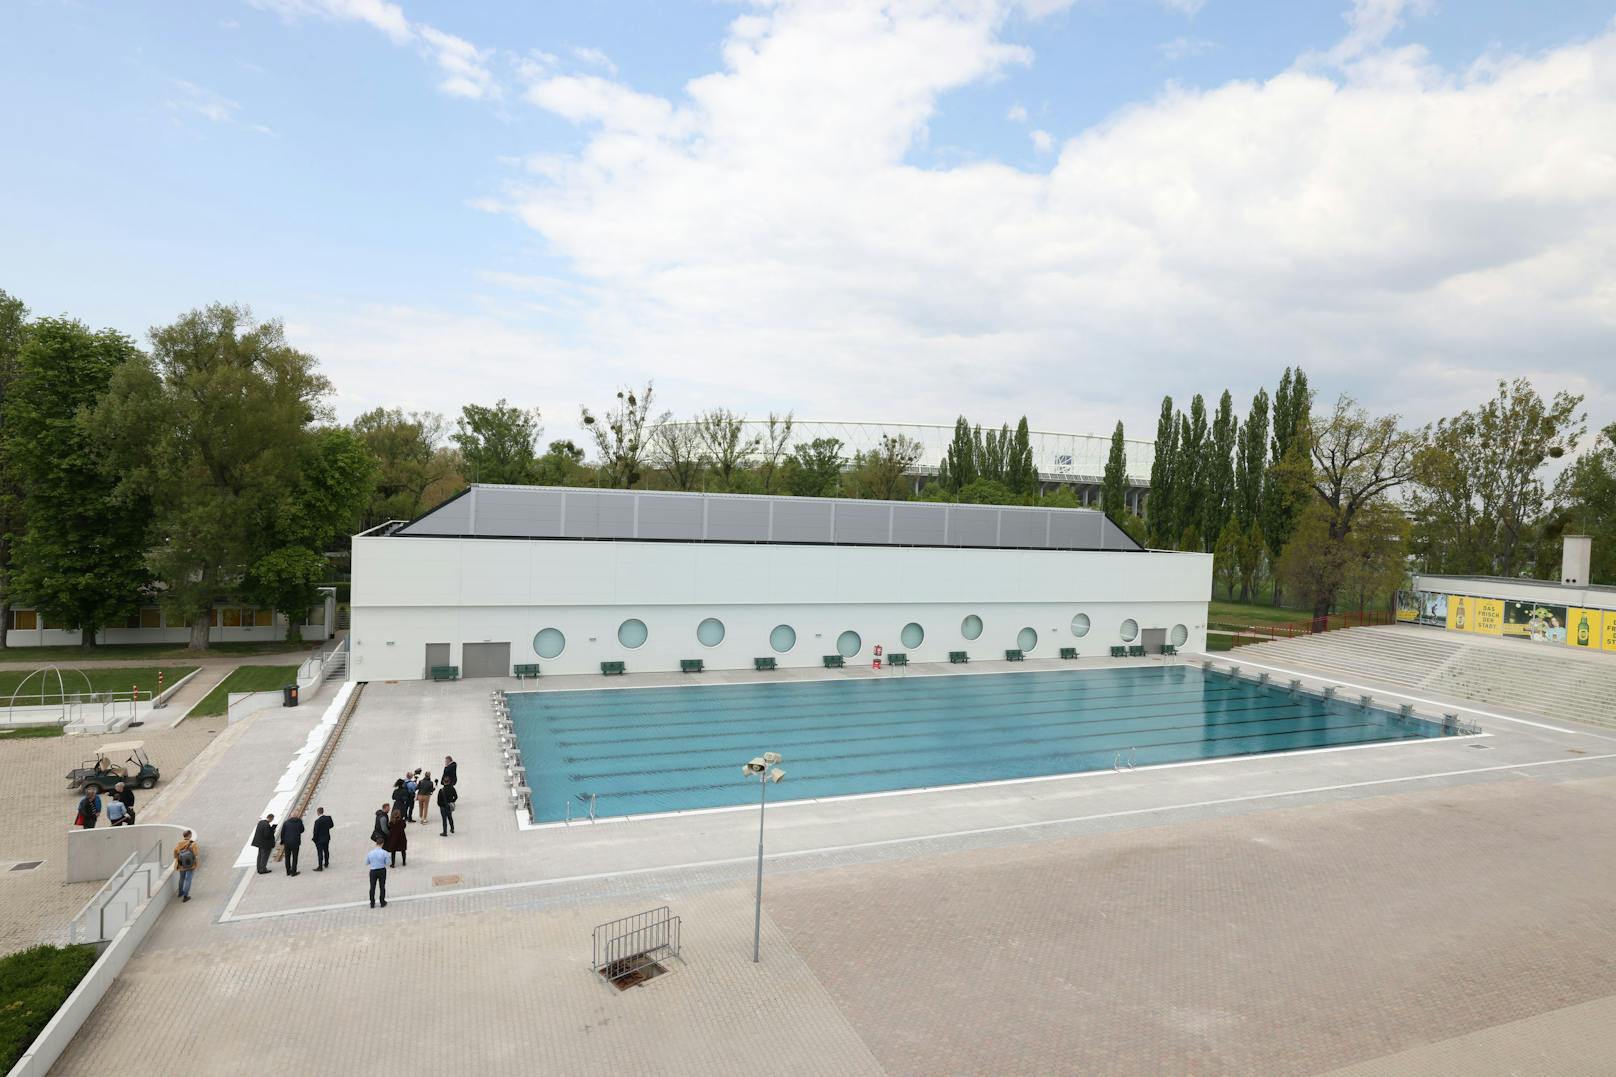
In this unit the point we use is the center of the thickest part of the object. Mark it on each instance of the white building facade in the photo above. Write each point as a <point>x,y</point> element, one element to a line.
<point>569,579</point>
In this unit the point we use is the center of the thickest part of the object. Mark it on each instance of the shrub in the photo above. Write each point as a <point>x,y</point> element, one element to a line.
<point>33,985</point>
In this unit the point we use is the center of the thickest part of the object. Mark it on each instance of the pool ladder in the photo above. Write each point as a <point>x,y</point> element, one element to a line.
<point>581,796</point>
<point>1116,763</point>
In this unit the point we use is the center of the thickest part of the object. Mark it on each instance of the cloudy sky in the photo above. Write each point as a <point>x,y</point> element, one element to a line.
<point>852,209</point>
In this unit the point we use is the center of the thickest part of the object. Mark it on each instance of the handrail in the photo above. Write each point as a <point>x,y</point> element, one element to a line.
<point>1263,633</point>
<point>114,886</point>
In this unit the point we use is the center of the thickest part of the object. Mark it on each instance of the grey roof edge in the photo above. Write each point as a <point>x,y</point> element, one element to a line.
<point>1524,581</point>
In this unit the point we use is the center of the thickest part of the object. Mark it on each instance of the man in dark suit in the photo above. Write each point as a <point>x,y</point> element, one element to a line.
<point>292,840</point>
<point>264,841</point>
<point>451,771</point>
<point>322,839</point>
<point>127,795</point>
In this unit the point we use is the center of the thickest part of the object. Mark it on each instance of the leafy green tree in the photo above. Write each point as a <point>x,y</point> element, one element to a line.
<point>1250,461</point>
<point>725,444</point>
<point>1253,554</point>
<point>1218,508</point>
<point>213,427</point>
<point>1479,484</point>
<point>883,472</point>
<point>817,470</point>
<point>676,448</point>
<point>1114,487</point>
<point>498,444</point>
<point>1190,472</point>
<point>1226,556</point>
<point>771,451</point>
<point>988,492</point>
<point>993,454</point>
<point>958,467</point>
<point>1021,469</point>
<point>1585,504</point>
<point>1134,526</point>
<point>1290,470</point>
<point>561,465</point>
<point>82,558</point>
<point>623,436</point>
<point>13,331</point>
<point>1061,497</point>
<point>407,448</point>
<point>1159,508</point>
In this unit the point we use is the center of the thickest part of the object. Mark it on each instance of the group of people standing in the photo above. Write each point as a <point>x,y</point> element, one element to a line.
<point>290,840</point>
<point>119,806</point>
<point>390,832</point>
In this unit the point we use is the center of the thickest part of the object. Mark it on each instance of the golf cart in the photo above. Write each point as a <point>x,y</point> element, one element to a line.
<point>125,761</point>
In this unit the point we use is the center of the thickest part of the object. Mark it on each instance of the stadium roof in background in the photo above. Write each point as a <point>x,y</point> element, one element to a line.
<point>556,512</point>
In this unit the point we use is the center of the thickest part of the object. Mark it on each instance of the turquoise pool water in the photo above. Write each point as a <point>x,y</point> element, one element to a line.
<point>644,750</point>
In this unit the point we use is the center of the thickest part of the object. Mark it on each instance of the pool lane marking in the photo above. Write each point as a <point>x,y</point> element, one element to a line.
<point>883,842</point>
<point>1417,699</point>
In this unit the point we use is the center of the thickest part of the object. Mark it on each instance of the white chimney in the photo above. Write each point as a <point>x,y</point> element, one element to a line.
<point>1575,559</point>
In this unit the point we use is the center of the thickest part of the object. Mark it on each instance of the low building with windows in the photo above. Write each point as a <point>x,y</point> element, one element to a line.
<point>568,579</point>
<point>230,623</point>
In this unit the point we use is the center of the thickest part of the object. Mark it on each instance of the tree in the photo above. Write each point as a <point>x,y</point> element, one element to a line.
<point>620,436</point>
<point>1114,488</point>
<point>406,449</point>
<point>13,331</point>
<point>993,454</point>
<point>82,559</point>
<point>958,467</point>
<point>1253,549</point>
<point>1219,471</point>
<point>1366,563</point>
<point>1479,486</point>
<point>883,472</point>
<point>1159,507</point>
<point>1585,503</point>
<point>561,465</point>
<point>1250,461</point>
<point>818,470</point>
<point>1356,461</point>
<point>335,481</point>
<point>676,448</point>
<point>1021,471</point>
<point>1226,556</point>
<point>212,425</point>
<point>988,492</point>
<point>772,450</point>
<point>725,442</point>
<point>498,444</point>
<point>1290,470</point>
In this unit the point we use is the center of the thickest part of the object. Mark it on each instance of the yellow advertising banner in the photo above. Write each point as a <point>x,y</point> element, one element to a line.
<point>1461,613</point>
<point>1489,617</point>
<point>1584,628</point>
<point>1609,635</point>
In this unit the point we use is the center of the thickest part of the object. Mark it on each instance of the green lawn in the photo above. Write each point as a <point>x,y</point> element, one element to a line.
<point>118,679</point>
<point>244,679</point>
<point>156,651</point>
<point>33,985</point>
<point>30,732</point>
<point>1245,613</point>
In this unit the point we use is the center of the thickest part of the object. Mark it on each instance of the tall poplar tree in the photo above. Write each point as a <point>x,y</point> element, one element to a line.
<point>13,330</point>
<point>1114,489</point>
<point>82,560</point>
<point>1251,461</point>
<point>1159,507</point>
<point>1190,476</point>
<point>1022,470</point>
<point>958,467</point>
<point>1287,484</point>
<point>1219,507</point>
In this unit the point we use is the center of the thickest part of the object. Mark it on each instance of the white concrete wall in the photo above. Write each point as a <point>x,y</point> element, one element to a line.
<point>409,592</point>
<point>1549,593</point>
<point>95,854</point>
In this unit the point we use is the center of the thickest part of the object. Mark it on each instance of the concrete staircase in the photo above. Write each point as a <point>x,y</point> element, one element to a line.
<point>1534,680</point>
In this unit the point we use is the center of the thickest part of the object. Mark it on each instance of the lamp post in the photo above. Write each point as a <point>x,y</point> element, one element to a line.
<point>759,769</point>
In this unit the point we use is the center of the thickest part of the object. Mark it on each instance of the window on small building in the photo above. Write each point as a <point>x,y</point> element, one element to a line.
<point>133,620</point>
<point>232,617</point>
<point>52,623</point>
<point>151,617</point>
<point>213,617</point>
<point>316,615</point>
<point>263,618</point>
<point>26,620</point>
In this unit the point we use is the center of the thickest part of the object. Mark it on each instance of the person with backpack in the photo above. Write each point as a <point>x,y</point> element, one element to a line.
<point>379,828</point>
<point>423,796</point>
<point>446,802</point>
<point>185,861</point>
<point>409,797</point>
<point>89,809</point>
<point>403,799</point>
<point>322,839</point>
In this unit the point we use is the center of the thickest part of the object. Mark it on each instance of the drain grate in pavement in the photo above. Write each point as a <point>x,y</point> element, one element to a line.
<point>445,880</point>
<point>628,973</point>
<point>26,865</point>
<point>1482,747</point>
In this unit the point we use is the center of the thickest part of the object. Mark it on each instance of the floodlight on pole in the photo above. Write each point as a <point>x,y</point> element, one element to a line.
<point>759,769</point>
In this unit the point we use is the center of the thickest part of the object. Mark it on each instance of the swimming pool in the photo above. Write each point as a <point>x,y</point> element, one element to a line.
<point>640,750</point>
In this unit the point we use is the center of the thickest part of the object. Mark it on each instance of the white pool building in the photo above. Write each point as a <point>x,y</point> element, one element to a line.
<point>567,579</point>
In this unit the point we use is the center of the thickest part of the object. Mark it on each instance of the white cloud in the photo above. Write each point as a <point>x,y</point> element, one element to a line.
<point>1182,47</point>
<point>1017,114</point>
<point>1381,224</point>
<point>1185,7</point>
<point>1042,141</point>
<point>464,67</point>
<point>201,101</point>
<point>595,58</point>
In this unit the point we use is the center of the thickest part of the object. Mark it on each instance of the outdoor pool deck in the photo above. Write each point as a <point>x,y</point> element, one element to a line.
<point>1292,913</point>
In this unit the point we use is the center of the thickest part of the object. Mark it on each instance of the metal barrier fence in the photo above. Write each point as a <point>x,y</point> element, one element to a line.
<point>1238,635</point>
<point>119,898</point>
<point>625,946</point>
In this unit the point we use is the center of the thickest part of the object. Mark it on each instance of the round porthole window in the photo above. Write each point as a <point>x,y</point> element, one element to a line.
<point>632,633</point>
<point>848,644</point>
<point>549,643</point>
<point>710,632</point>
<point>971,627</point>
<point>1026,639</point>
<point>1129,629</point>
<point>783,638</point>
<point>1179,636</point>
<point>912,635</point>
<point>1080,625</point>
